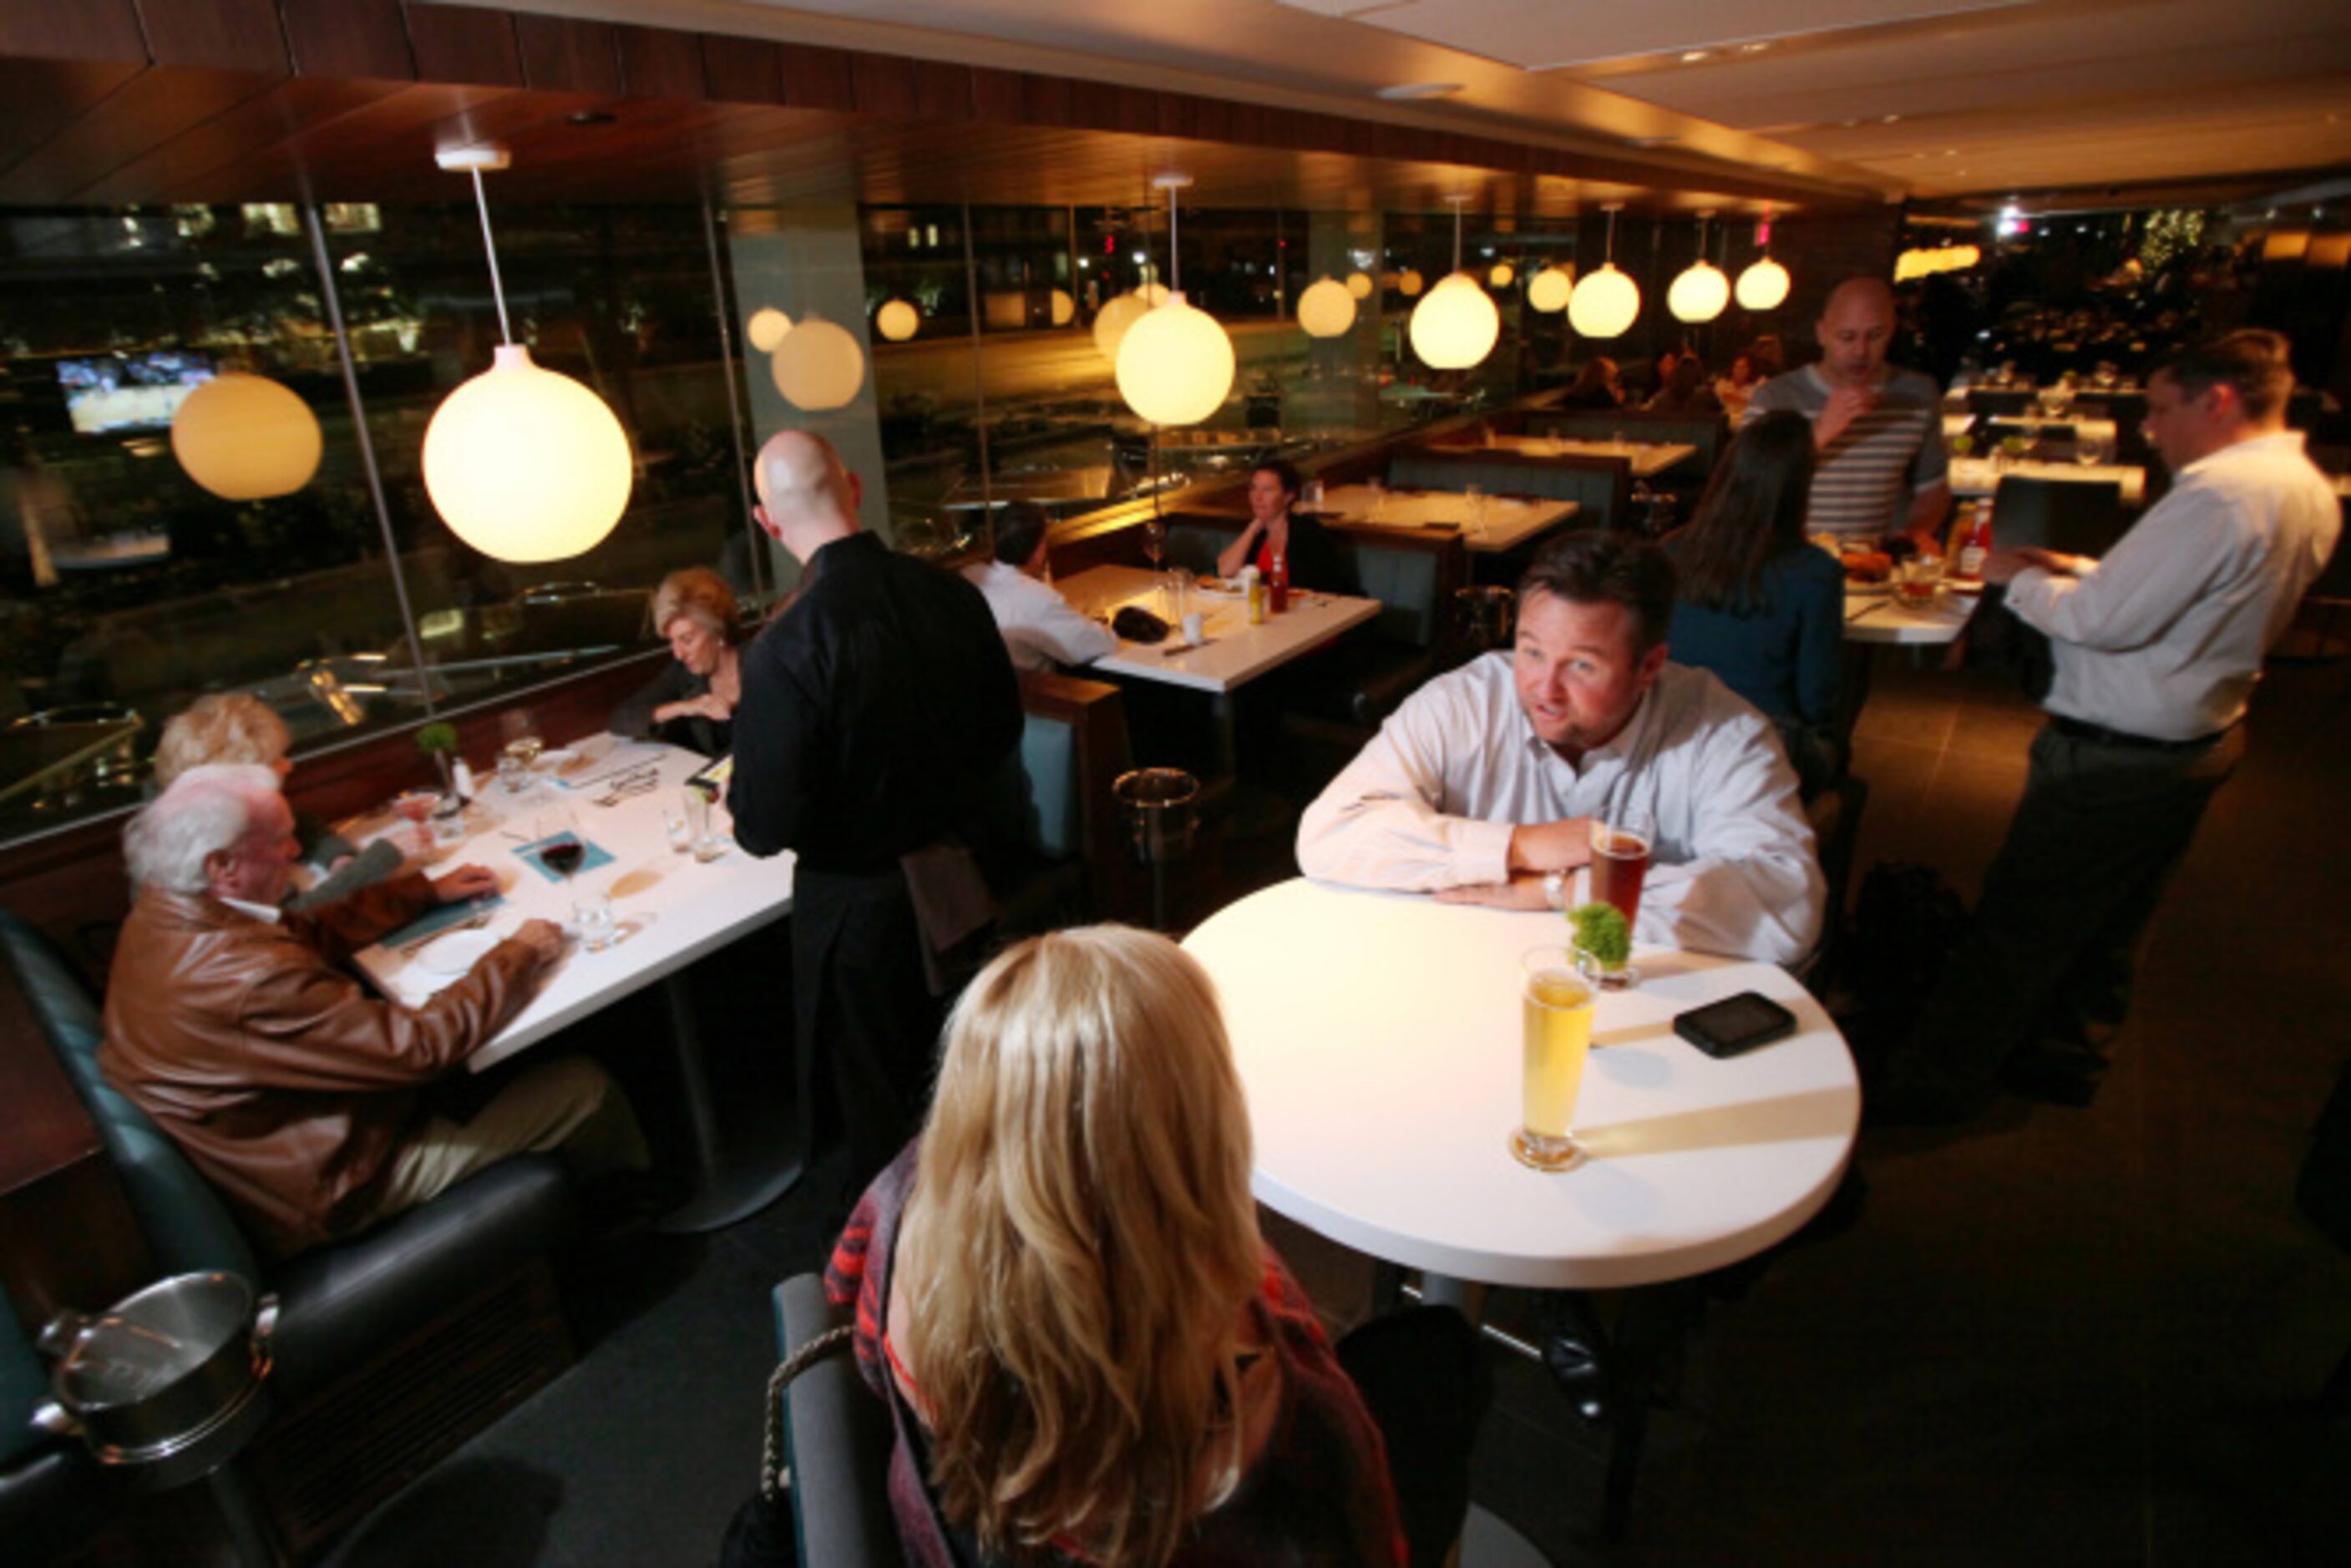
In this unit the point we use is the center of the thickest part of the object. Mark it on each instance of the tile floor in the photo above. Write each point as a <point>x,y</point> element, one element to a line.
<point>2056,1336</point>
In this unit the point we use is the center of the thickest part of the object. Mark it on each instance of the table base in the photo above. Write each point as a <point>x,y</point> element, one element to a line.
<point>730,1182</point>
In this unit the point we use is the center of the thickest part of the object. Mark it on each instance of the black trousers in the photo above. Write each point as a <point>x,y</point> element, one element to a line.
<point>1423,1376</point>
<point>867,1026</point>
<point>2100,831</point>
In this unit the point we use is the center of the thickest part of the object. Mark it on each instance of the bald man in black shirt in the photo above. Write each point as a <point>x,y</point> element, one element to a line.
<point>875,711</point>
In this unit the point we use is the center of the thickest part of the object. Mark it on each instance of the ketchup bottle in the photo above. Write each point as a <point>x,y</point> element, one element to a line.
<point>1277,584</point>
<point>1975,544</point>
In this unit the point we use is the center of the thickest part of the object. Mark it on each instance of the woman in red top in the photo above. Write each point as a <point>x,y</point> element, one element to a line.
<point>1275,530</point>
<point>1089,1353</point>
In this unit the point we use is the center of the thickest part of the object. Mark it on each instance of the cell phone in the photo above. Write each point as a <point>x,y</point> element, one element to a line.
<point>1735,1024</point>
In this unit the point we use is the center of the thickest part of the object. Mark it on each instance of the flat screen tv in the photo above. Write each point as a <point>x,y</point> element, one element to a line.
<point>130,392</point>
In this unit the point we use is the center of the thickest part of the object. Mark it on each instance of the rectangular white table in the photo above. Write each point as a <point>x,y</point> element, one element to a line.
<point>669,911</point>
<point>1496,523</point>
<point>1981,476</point>
<point>1232,651</point>
<point>2083,428</point>
<point>1648,458</point>
<point>1879,614</point>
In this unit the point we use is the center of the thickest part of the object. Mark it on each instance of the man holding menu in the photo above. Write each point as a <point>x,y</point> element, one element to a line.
<point>875,711</point>
<point>1482,788</point>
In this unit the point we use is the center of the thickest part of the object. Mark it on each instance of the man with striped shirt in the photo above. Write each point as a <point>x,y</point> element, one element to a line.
<point>1877,429</point>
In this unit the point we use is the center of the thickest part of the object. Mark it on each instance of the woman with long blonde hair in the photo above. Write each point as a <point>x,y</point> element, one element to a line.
<point>1089,1353</point>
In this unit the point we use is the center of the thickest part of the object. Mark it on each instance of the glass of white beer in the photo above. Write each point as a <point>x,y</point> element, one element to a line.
<point>1555,1007</point>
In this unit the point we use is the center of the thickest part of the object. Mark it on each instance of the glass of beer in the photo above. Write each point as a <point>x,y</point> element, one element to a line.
<point>1620,863</point>
<point>1556,1012</point>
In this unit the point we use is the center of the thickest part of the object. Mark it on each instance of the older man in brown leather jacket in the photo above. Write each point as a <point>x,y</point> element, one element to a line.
<point>296,1091</point>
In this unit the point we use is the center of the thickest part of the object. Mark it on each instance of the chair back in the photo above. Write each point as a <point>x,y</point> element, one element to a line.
<point>187,1227</point>
<point>1411,582</point>
<point>2080,517</point>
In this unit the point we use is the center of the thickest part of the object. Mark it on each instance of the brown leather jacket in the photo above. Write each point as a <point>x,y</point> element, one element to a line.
<point>286,1081</point>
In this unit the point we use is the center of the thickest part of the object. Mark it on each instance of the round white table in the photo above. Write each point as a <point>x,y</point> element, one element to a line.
<point>1378,1039</point>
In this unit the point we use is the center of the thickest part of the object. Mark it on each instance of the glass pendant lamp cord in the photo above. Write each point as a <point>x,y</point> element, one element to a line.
<point>497,287</point>
<point>1612,238</point>
<point>1175,252</point>
<point>1456,233</point>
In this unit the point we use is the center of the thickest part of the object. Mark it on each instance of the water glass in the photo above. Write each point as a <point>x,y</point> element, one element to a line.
<point>2089,451</point>
<point>591,915</point>
<point>706,844</point>
<point>675,824</point>
<point>1379,497</point>
<point>1476,497</point>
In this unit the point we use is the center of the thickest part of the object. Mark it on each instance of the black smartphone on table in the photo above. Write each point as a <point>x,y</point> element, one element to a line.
<point>1735,1024</point>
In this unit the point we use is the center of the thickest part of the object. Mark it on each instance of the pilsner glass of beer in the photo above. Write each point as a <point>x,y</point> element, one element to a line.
<point>1555,1007</point>
<point>1620,863</point>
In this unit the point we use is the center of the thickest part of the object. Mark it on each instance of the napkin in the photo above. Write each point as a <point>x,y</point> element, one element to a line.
<point>440,919</point>
<point>595,856</point>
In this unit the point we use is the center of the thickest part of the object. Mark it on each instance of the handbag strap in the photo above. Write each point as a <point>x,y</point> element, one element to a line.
<point>775,1476</point>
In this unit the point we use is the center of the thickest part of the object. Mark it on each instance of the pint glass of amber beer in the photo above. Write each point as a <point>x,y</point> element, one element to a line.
<point>1620,863</point>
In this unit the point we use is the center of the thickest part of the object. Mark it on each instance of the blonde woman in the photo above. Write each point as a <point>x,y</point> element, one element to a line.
<point>692,701</point>
<point>235,727</point>
<point>1090,1354</point>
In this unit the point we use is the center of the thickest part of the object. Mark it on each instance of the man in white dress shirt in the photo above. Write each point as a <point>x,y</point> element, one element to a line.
<point>1482,788</point>
<point>2158,646</point>
<point>1040,630</point>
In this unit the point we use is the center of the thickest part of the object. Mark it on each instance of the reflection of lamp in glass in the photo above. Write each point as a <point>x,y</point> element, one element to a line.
<point>897,321</point>
<point>1409,283</point>
<point>1549,289</point>
<point>523,464</point>
<point>1175,365</point>
<point>1605,301</point>
<point>1065,309</point>
<point>767,328</point>
<point>1455,327</point>
<point>1326,309</point>
<point>1701,291</point>
<point>819,365</point>
<point>1502,276</point>
<point>247,438</point>
<point>1111,321</point>
<point>1764,284</point>
<point>1359,284</point>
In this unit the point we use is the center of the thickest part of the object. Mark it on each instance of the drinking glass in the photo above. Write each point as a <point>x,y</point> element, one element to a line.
<point>1620,863</point>
<point>520,746</point>
<point>1555,1023</point>
<point>1154,542</point>
<point>2089,451</point>
<point>556,831</point>
<point>1379,497</point>
<point>677,825</point>
<point>1475,497</point>
<point>698,804</point>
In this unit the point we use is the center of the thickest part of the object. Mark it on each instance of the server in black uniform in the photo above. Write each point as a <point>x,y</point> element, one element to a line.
<point>875,711</point>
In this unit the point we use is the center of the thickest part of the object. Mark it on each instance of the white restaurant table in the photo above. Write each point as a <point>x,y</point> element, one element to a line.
<point>1649,458</point>
<point>2084,429</point>
<point>1233,652</point>
<point>1378,1040</point>
<point>669,911</point>
<point>1504,523</point>
<point>1980,476</point>
<point>1878,614</point>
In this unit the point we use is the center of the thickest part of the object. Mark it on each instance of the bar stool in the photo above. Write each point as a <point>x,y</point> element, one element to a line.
<point>1161,807</point>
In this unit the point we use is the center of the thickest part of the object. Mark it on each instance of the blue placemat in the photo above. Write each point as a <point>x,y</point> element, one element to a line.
<point>588,862</point>
<point>440,919</point>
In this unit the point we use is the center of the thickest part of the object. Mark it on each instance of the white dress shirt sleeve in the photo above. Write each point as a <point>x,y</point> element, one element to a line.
<point>1747,881</point>
<point>1380,823</point>
<point>2134,595</point>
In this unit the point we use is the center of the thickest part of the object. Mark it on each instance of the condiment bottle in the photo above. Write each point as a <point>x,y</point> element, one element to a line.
<point>1975,544</point>
<point>1278,586</point>
<point>1255,590</point>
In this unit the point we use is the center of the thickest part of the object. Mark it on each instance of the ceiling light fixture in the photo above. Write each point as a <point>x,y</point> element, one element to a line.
<point>1359,284</point>
<point>523,464</point>
<point>767,328</point>
<point>897,320</point>
<point>1326,309</point>
<point>1764,285</point>
<point>818,366</point>
<point>1607,302</point>
<point>1175,366</point>
<point>1701,291</point>
<point>1455,327</point>
<point>1551,289</point>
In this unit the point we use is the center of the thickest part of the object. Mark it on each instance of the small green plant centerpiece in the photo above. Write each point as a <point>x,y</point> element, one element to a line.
<point>1601,941</point>
<point>1963,444</point>
<point>439,741</point>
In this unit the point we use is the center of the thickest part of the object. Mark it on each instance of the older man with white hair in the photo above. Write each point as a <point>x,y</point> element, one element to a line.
<point>295,1091</point>
<point>877,712</point>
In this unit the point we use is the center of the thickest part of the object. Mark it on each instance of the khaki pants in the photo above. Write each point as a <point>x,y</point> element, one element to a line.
<point>569,1105</point>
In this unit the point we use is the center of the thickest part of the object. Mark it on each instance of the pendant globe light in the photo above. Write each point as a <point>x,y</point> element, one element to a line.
<point>897,320</point>
<point>1111,321</point>
<point>1549,289</point>
<point>1701,291</point>
<point>767,328</point>
<point>1065,309</point>
<point>1175,366</point>
<point>1503,276</point>
<point>1359,284</point>
<point>1326,309</point>
<point>1607,302</point>
<point>1455,327</point>
<point>247,438</point>
<point>1409,283</point>
<point>818,366</point>
<point>1764,284</point>
<point>523,464</point>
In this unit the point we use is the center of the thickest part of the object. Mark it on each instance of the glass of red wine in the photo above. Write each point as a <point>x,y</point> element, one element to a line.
<point>561,847</point>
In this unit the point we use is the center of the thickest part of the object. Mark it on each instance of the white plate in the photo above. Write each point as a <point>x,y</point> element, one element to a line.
<point>456,952</point>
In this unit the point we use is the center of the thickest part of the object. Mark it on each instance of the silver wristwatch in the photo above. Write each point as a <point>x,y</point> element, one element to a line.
<point>1555,889</point>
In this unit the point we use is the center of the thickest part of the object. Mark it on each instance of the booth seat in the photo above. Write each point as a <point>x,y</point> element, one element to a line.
<point>433,1323</point>
<point>837,1441</point>
<point>1070,862</point>
<point>51,1499</point>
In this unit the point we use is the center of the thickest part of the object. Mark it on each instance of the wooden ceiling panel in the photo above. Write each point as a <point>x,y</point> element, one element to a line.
<point>40,97</point>
<point>209,156</point>
<point>149,109</point>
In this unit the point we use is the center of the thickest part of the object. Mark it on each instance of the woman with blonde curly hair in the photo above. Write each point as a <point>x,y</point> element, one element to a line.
<point>692,701</point>
<point>237,727</point>
<point>1089,1353</point>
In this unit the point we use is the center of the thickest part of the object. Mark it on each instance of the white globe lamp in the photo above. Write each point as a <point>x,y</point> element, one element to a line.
<point>1605,303</point>
<point>1326,309</point>
<point>897,321</point>
<point>1175,365</point>
<point>1065,309</point>
<point>1359,284</point>
<point>767,328</point>
<point>1409,283</point>
<point>247,438</point>
<point>1112,322</point>
<point>818,366</point>
<point>525,464</point>
<point>1549,289</point>
<point>1455,327</point>
<point>1700,293</point>
<point>1763,286</point>
<point>1502,276</point>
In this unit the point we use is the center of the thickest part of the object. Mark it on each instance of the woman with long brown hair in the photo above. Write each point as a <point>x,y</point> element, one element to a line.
<point>1090,1354</point>
<point>1755,602</point>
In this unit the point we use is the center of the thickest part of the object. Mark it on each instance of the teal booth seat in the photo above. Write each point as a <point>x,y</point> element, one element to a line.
<point>1051,820</point>
<point>52,1498</point>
